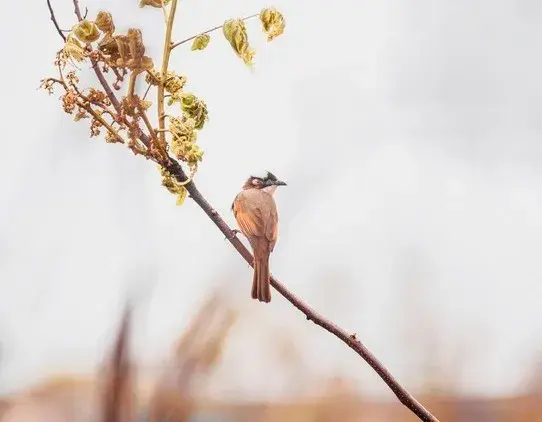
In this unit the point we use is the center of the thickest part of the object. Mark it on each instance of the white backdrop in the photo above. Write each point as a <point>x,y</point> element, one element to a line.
<point>409,135</point>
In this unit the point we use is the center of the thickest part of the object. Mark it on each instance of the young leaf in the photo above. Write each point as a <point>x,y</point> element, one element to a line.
<point>272,22</point>
<point>86,31</point>
<point>200,42</point>
<point>235,32</point>
<point>74,49</point>
<point>104,22</point>
<point>194,108</point>
<point>181,196</point>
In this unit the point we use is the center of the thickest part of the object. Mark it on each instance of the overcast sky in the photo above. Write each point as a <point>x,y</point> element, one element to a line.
<point>409,135</point>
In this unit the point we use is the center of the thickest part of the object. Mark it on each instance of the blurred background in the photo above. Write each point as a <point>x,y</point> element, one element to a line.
<point>409,135</point>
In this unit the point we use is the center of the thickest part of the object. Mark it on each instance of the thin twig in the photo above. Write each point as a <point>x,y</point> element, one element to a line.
<point>101,78</point>
<point>87,107</point>
<point>104,108</point>
<point>152,133</point>
<point>146,120</point>
<point>163,72</point>
<point>146,91</point>
<point>164,12</point>
<point>55,22</point>
<point>132,83</point>
<point>103,122</point>
<point>209,31</point>
<point>107,88</point>
<point>120,77</point>
<point>77,10</point>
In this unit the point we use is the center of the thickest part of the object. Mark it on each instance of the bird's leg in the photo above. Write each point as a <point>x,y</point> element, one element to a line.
<point>235,233</point>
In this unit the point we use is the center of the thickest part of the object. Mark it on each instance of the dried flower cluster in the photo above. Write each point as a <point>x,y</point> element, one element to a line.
<point>172,185</point>
<point>120,57</point>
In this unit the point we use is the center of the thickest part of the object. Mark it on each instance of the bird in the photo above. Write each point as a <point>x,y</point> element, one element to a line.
<point>256,214</point>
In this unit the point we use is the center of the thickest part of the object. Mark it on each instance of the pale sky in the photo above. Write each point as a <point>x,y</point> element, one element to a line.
<point>409,133</point>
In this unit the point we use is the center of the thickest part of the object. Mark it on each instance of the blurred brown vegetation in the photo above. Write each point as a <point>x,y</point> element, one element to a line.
<point>115,394</point>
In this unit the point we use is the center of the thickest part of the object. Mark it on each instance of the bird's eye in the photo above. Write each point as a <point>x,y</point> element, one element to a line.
<point>256,182</point>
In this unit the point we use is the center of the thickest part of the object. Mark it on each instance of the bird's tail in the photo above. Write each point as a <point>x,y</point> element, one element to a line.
<point>261,288</point>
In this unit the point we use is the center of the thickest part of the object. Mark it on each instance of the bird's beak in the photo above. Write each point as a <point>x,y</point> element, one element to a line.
<point>279,183</point>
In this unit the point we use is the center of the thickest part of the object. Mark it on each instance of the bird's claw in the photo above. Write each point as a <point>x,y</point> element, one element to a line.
<point>235,232</point>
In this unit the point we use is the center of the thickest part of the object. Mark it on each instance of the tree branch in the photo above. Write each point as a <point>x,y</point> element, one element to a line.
<point>349,339</point>
<point>77,10</point>
<point>96,67</point>
<point>107,126</point>
<point>163,72</point>
<point>55,22</point>
<point>209,31</point>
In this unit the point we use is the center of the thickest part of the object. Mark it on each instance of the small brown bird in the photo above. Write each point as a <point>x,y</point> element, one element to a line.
<point>256,213</point>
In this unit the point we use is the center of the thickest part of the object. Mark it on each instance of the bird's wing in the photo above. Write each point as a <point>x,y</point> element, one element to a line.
<point>247,212</point>
<point>256,215</point>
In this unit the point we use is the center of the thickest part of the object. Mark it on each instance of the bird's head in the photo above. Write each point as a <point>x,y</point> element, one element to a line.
<point>269,182</point>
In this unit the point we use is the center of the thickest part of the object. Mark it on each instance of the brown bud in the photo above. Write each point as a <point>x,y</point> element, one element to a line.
<point>147,63</point>
<point>137,49</point>
<point>123,45</point>
<point>108,45</point>
<point>104,22</point>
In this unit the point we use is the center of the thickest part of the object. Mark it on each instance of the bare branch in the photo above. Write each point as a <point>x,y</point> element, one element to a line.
<point>349,339</point>
<point>165,62</point>
<point>209,31</point>
<point>55,22</point>
<point>77,10</point>
<point>99,118</point>
<point>132,83</point>
<point>147,91</point>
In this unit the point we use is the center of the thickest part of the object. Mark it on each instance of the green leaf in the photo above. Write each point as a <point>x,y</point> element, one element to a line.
<point>181,196</point>
<point>201,42</point>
